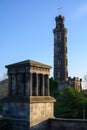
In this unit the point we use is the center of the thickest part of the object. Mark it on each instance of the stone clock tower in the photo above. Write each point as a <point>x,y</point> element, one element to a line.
<point>60,50</point>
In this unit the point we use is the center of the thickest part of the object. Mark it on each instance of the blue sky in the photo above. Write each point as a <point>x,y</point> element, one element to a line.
<point>26,32</point>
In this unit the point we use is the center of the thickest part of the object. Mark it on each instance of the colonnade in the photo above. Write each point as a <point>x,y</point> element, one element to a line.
<point>28,84</point>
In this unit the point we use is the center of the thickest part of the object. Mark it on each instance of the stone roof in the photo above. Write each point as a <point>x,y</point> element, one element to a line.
<point>28,63</point>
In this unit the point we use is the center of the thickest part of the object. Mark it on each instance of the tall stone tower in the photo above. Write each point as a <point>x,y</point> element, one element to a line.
<point>60,50</point>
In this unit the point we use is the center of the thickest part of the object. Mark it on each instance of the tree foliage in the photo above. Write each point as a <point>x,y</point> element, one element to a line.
<point>53,87</point>
<point>70,104</point>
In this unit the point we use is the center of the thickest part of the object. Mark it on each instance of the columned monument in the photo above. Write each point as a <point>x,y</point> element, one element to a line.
<point>29,80</point>
<point>28,104</point>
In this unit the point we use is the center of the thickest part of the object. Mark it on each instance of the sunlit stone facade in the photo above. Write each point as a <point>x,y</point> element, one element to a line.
<point>28,103</point>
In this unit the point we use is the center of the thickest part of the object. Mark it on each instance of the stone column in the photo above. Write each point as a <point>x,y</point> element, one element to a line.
<point>15,84</point>
<point>43,85</point>
<point>46,85</point>
<point>39,85</point>
<point>10,85</point>
<point>48,89</point>
<point>36,91</point>
<point>26,84</point>
<point>30,84</point>
<point>19,89</point>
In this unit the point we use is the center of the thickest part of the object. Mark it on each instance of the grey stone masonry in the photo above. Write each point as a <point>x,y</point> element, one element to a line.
<point>68,124</point>
<point>28,105</point>
<point>28,78</point>
<point>60,50</point>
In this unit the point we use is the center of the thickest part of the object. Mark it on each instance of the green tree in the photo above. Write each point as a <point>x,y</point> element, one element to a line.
<point>53,87</point>
<point>70,103</point>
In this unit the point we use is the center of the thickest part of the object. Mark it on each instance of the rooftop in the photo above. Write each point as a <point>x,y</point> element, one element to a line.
<point>28,63</point>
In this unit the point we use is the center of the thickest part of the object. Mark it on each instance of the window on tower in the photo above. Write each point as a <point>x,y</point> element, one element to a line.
<point>58,74</point>
<point>55,50</point>
<point>66,62</point>
<point>58,49</point>
<point>66,49</point>
<point>59,36</point>
<point>55,37</point>
<point>66,73</point>
<point>66,39</point>
<point>58,62</point>
<point>59,25</point>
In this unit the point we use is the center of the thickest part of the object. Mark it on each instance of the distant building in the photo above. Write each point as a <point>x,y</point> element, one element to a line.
<point>76,83</point>
<point>61,58</point>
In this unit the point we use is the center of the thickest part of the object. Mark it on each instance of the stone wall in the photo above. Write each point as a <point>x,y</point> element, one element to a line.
<point>29,114</point>
<point>50,124</point>
<point>16,110</point>
<point>14,124</point>
<point>17,115</point>
<point>40,112</point>
<point>20,124</point>
<point>68,124</point>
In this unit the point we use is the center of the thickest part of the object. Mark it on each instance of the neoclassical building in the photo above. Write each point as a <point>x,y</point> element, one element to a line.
<point>28,78</point>
<point>28,105</point>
